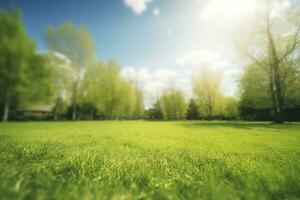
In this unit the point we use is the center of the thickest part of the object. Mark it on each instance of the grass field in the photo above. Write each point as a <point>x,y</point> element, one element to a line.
<point>149,160</point>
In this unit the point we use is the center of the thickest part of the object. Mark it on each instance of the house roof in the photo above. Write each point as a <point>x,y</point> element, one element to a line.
<point>39,108</point>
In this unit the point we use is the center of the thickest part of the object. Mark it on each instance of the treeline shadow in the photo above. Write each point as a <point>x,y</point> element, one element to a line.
<point>237,124</point>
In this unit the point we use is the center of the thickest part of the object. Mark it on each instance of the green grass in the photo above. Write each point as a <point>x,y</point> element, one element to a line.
<point>149,160</point>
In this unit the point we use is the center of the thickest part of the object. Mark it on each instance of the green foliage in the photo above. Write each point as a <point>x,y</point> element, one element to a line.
<point>77,44</point>
<point>74,42</point>
<point>291,84</point>
<point>139,110</point>
<point>149,160</point>
<point>192,111</point>
<point>61,75</point>
<point>231,108</point>
<point>206,87</point>
<point>39,84</point>
<point>61,79</point>
<point>173,104</point>
<point>15,52</point>
<point>113,96</point>
<point>255,88</point>
<point>60,108</point>
<point>23,75</point>
<point>155,113</point>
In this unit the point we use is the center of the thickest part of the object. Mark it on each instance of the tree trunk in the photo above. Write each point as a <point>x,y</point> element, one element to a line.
<point>92,115</point>
<point>5,110</point>
<point>55,117</point>
<point>274,65</point>
<point>279,96</point>
<point>74,111</point>
<point>277,90</point>
<point>272,88</point>
<point>209,112</point>
<point>74,102</point>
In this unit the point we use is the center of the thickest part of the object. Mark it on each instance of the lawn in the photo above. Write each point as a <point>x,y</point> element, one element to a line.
<point>149,160</point>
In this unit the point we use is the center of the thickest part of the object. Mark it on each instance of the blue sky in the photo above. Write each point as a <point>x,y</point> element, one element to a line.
<point>139,40</point>
<point>161,43</point>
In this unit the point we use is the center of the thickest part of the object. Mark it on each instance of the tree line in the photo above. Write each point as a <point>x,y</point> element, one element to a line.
<point>81,87</point>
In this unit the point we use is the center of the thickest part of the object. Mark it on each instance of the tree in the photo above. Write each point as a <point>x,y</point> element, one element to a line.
<point>156,111</point>
<point>38,85</point>
<point>255,94</point>
<point>119,101</point>
<point>139,105</point>
<point>206,87</point>
<point>139,109</point>
<point>278,40</point>
<point>22,72</point>
<point>173,104</point>
<point>231,108</point>
<point>61,78</point>
<point>77,44</point>
<point>192,111</point>
<point>112,95</point>
<point>91,88</point>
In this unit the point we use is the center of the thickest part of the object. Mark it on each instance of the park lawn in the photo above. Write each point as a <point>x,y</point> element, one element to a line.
<point>149,160</point>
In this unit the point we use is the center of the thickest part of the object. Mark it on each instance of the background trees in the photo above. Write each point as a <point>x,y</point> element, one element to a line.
<point>173,104</point>
<point>112,96</point>
<point>139,109</point>
<point>230,108</point>
<point>77,44</point>
<point>155,112</point>
<point>22,72</point>
<point>192,110</point>
<point>207,90</point>
<point>61,77</point>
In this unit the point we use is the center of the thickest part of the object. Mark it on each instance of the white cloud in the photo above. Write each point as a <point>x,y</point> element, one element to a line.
<point>165,75</point>
<point>197,61</point>
<point>223,10</point>
<point>203,59</point>
<point>156,12</point>
<point>137,6</point>
<point>170,32</point>
<point>280,8</point>
<point>235,15</point>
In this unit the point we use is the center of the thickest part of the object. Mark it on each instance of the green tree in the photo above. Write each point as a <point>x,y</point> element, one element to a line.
<point>119,94</point>
<point>38,85</point>
<point>173,104</point>
<point>139,109</point>
<point>273,46</point>
<point>231,108</point>
<point>193,110</point>
<point>139,105</point>
<point>23,76</point>
<point>155,112</point>
<point>77,44</point>
<point>256,84</point>
<point>61,77</point>
<point>103,86</point>
<point>254,88</point>
<point>91,88</point>
<point>206,87</point>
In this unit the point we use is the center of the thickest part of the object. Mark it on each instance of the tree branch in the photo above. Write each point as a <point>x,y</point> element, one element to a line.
<point>255,60</point>
<point>296,42</point>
